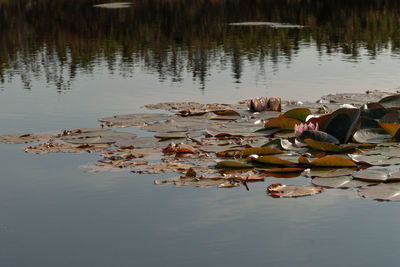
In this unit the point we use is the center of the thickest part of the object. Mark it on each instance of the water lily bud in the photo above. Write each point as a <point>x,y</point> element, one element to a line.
<point>274,104</point>
<point>258,104</point>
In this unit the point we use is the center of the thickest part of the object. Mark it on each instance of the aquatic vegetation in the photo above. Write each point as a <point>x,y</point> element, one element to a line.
<point>231,145</point>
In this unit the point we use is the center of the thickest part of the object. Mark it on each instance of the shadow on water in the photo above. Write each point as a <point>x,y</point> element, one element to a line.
<point>58,39</point>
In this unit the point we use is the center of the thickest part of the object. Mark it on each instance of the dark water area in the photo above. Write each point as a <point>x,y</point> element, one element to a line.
<point>64,64</point>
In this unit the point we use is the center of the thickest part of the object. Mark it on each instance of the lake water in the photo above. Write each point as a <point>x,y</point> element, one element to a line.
<point>64,64</point>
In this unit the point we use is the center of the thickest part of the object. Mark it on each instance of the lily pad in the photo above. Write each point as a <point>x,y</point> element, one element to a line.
<point>280,190</point>
<point>24,138</point>
<point>342,124</point>
<point>333,161</point>
<point>133,119</point>
<point>391,128</point>
<point>54,147</point>
<point>282,123</point>
<point>328,173</point>
<point>374,136</point>
<point>273,160</point>
<point>328,147</point>
<point>382,192</point>
<point>297,113</point>
<point>339,182</point>
<point>317,136</point>
<point>375,160</point>
<point>378,175</point>
<point>390,101</point>
<point>233,164</point>
<point>97,136</point>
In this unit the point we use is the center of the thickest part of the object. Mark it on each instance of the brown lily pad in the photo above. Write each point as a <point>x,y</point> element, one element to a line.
<point>280,190</point>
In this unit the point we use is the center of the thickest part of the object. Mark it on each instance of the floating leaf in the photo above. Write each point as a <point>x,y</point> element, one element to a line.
<point>280,190</point>
<point>24,138</point>
<point>317,136</point>
<point>339,182</point>
<point>133,119</point>
<point>285,170</point>
<point>328,147</point>
<point>333,161</point>
<point>273,160</point>
<point>233,164</point>
<point>374,136</point>
<point>383,192</point>
<point>303,160</point>
<point>259,151</point>
<point>391,128</point>
<point>375,160</point>
<point>378,175</point>
<point>297,113</point>
<point>342,124</point>
<point>276,143</point>
<point>97,136</point>
<point>328,173</point>
<point>283,123</point>
<point>54,147</point>
<point>390,101</point>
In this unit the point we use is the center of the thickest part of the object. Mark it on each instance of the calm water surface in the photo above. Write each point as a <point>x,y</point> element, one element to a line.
<point>64,64</point>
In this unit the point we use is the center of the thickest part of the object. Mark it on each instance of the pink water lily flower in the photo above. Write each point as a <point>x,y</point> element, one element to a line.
<point>300,128</point>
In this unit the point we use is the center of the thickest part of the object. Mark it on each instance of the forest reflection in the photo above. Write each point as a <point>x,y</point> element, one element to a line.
<point>57,39</point>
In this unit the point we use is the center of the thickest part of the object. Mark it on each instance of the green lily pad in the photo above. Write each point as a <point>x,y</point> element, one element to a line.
<point>297,113</point>
<point>233,164</point>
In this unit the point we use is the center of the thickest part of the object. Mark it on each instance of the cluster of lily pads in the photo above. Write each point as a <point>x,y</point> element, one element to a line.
<point>342,141</point>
